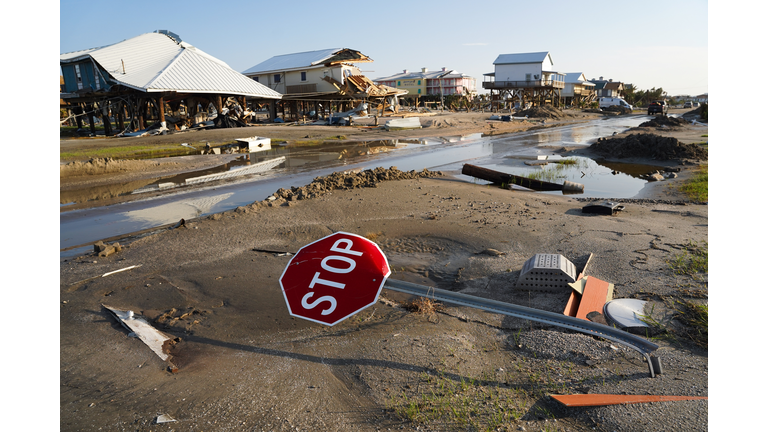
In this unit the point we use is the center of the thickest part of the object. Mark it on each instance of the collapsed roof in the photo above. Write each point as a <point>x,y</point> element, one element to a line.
<point>161,62</point>
<point>325,57</point>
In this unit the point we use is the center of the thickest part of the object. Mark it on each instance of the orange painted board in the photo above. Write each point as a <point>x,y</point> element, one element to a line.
<point>582,400</point>
<point>573,304</point>
<point>596,293</point>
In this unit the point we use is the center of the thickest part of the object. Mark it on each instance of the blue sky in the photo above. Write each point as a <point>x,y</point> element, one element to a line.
<point>650,44</point>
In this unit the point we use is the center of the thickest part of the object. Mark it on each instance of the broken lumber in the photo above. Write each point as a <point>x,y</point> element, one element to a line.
<point>507,179</point>
<point>583,400</point>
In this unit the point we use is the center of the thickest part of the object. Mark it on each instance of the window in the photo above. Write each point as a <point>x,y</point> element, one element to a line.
<point>256,79</point>
<point>398,83</point>
<point>277,78</point>
<point>418,82</point>
<point>303,76</point>
<point>527,77</point>
<point>79,77</point>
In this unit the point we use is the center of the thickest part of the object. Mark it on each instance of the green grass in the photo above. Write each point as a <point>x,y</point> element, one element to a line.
<point>128,152</point>
<point>555,171</point>
<point>692,261</point>
<point>697,188</point>
<point>462,405</point>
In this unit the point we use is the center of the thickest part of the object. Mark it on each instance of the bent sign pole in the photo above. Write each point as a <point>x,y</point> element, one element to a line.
<point>333,278</point>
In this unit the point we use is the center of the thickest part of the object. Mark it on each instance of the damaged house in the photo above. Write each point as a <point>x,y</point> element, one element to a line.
<point>314,82</point>
<point>156,81</point>
<point>428,83</point>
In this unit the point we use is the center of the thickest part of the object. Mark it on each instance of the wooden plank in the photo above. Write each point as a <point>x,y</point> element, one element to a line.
<point>584,270</point>
<point>573,304</point>
<point>594,297</point>
<point>504,178</point>
<point>583,400</point>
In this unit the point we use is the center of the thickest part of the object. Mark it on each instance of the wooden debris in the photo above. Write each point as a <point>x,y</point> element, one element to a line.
<point>583,400</point>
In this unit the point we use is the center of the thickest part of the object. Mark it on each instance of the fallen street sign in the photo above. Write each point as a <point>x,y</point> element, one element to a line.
<point>333,278</point>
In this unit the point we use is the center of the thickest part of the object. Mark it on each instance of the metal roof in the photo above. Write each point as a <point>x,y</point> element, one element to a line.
<point>535,57</point>
<point>154,62</point>
<point>575,78</point>
<point>425,75</point>
<point>293,61</point>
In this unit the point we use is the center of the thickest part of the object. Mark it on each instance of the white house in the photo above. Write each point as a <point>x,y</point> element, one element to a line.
<point>525,77</point>
<point>577,88</point>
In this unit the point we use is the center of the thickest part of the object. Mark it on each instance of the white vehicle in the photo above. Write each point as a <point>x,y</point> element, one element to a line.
<point>605,102</point>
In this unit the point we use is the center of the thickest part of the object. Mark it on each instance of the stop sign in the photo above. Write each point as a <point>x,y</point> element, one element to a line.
<point>334,278</point>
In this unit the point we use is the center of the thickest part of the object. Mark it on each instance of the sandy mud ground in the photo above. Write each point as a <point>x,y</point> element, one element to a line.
<point>241,362</point>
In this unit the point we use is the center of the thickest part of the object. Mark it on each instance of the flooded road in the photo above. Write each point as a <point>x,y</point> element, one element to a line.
<point>301,165</point>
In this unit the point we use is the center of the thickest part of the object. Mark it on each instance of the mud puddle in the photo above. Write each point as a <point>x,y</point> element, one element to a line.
<point>600,179</point>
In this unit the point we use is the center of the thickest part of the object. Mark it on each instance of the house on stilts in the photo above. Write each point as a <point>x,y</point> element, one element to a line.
<point>522,79</point>
<point>156,80</point>
<point>322,81</point>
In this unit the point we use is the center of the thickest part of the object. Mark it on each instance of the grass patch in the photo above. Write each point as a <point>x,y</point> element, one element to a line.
<point>461,405</point>
<point>692,261</point>
<point>556,170</point>
<point>127,152</point>
<point>697,188</point>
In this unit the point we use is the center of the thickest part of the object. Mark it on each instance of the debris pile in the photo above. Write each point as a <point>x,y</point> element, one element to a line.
<point>350,180</point>
<point>647,145</point>
<point>105,250</point>
<point>546,111</point>
<point>662,121</point>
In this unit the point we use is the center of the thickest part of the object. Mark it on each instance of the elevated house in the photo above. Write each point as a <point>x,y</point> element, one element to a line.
<point>153,77</point>
<point>608,88</point>
<point>577,90</point>
<point>522,78</point>
<point>308,79</point>
<point>431,83</point>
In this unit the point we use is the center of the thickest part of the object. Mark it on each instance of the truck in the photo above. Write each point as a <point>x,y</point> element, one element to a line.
<point>658,107</point>
<point>606,102</point>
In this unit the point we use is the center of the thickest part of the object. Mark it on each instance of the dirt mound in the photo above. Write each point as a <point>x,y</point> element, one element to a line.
<point>618,109</point>
<point>661,121</point>
<point>648,146</point>
<point>368,178</point>
<point>546,111</point>
<point>98,166</point>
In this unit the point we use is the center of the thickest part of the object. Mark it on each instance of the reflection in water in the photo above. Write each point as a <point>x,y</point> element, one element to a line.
<point>172,212</point>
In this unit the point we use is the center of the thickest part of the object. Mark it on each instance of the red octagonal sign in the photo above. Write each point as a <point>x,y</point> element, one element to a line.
<point>333,278</point>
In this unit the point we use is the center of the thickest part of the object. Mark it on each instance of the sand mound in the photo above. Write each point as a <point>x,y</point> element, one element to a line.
<point>660,121</point>
<point>648,146</point>
<point>546,111</point>
<point>98,166</point>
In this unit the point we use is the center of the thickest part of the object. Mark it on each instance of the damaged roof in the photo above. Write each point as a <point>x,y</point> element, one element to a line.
<point>307,59</point>
<point>156,62</point>
<point>425,74</point>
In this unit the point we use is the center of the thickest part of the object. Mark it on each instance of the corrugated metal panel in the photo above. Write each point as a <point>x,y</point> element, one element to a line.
<point>536,57</point>
<point>155,62</point>
<point>195,73</point>
<point>293,61</point>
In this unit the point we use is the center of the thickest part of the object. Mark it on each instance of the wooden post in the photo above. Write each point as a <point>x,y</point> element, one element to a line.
<point>104,111</point>
<point>161,111</point>
<point>120,116</point>
<point>89,107</point>
<point>78,110</point>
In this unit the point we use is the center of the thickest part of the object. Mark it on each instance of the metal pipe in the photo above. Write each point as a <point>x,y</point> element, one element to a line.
<point>636,343</point>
